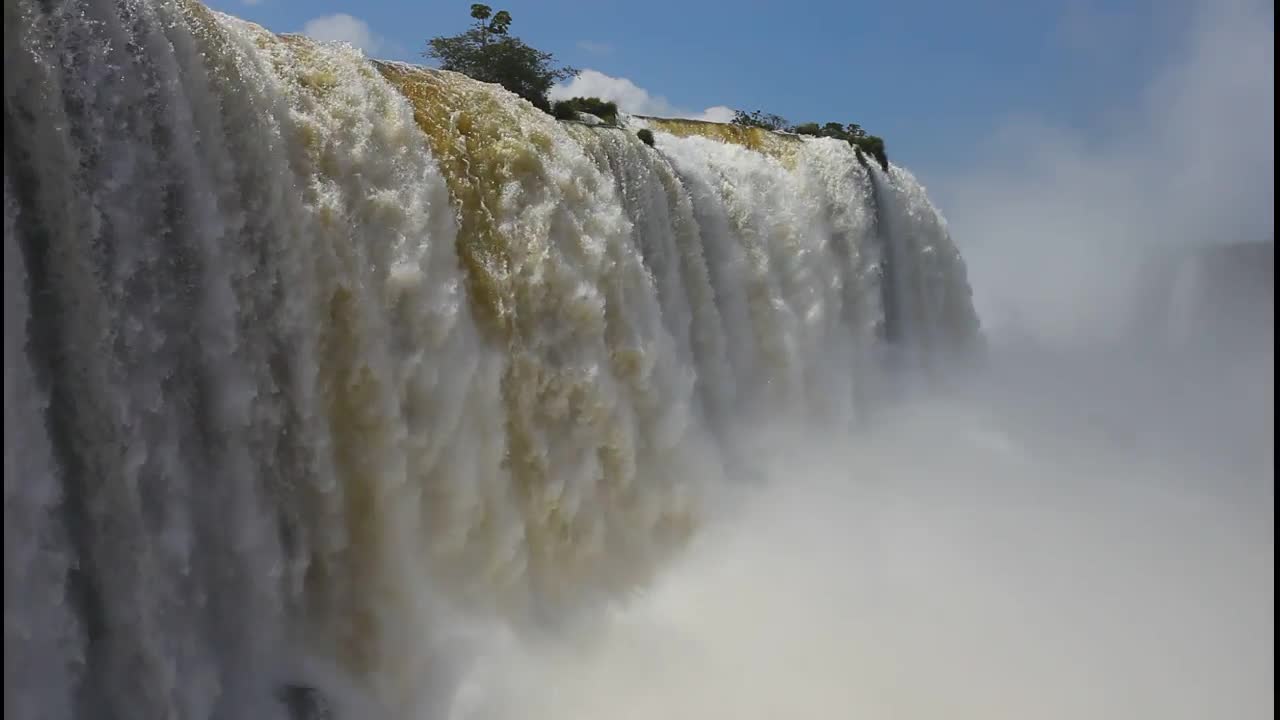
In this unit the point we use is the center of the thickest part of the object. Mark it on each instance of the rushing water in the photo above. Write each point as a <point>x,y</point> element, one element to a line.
<point>306,355</point>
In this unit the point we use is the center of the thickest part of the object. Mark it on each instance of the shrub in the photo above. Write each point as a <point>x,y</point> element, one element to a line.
<point>873,146</point>
<point>646,136</point>
<point>603,109</point>
<point>832,130</point>
<point>564,110</point>
<point>863,144</point>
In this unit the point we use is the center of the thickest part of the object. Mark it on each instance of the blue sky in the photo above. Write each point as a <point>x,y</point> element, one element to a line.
<point>929,75</point>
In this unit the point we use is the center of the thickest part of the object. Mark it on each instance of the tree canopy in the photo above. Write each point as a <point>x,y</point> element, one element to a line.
<point>759,119</point>
<point>569,109</point>
<point>489,53</point>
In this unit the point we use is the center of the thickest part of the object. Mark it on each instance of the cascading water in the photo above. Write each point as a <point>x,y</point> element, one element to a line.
<point>306,354</point>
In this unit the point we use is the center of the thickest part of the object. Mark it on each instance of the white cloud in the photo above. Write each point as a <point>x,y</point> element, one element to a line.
<point>719,113</point>
<point>1057,220</point>
<point>595,48</point>
<point>343,28</point>
<point>632,98</point>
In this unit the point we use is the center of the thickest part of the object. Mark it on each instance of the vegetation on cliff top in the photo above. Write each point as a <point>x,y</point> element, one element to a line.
<point>487,52</point>
<point>569,109</point>
<point>755,118</point>
<point>851,133</point>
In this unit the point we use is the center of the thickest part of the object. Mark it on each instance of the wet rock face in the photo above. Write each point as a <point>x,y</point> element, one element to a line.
<point>306,703</point>
<point>1210,296</point>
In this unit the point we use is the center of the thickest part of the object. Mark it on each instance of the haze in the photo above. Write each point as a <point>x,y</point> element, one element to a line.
<point>1083,529</point>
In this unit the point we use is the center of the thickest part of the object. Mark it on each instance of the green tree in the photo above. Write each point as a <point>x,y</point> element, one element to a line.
<point>488,53</point>
<point>832,130</point>
<point>759,119</point>
<point>497,26</point>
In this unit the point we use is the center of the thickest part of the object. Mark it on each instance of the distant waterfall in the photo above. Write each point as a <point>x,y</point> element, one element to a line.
<point>305,353</point>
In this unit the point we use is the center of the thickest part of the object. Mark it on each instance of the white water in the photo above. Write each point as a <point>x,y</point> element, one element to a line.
<point>284,433</point>
<point>987,578</point>
<point>324,372</point>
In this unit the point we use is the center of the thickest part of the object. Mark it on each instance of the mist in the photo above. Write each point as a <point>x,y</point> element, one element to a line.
<point>1087,548</point>
<point>980,578</point>
<point>358,390</point>
<point>1056,222</point>
<point>1082,529</point>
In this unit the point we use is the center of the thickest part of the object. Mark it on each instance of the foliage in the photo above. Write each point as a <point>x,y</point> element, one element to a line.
<point>646,136</point>
<point>832,130</point>
<point>488,53</point>
<point>873,146</point>
<point>603,109</point>
<point>497,25</point>
<point>852,134</point>
<point>759,119</point>
<point>564,110</point>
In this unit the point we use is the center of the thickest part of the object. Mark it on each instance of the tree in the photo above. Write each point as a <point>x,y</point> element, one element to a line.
<point>759,119</point>
<point>481,13</point>
<point>498,26</point>
<point>832,130</point>
<point>488,53</point>
<point>500,23</point>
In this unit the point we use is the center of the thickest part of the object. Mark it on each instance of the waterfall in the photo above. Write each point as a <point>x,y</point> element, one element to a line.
<point>306,355</point>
